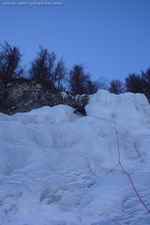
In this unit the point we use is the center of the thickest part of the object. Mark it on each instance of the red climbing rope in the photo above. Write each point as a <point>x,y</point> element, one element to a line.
<point>119,163</point>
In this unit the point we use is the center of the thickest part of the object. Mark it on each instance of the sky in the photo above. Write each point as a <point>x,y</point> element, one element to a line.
<point>111,37</point>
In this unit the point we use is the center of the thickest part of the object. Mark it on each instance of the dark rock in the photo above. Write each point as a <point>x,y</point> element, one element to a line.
<point>23,95</point>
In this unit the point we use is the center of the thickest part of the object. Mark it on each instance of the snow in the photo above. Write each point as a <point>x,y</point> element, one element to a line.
<point>55,167</point>
<point>64,94</point>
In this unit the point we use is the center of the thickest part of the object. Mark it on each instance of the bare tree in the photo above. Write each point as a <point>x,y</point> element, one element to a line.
<point>51,57</point>
<point>102,83</point>
<point>116,86</point>
<point>39,66</point>
<point>10,61</point>
<point>135,83</point>
<point>91,87</point>
<point>60,74</point>
<point>42,67</point>
<point>78,79</point>
<point>146,77</point>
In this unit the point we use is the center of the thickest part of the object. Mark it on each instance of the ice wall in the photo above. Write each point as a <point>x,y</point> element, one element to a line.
<point>55,166</point>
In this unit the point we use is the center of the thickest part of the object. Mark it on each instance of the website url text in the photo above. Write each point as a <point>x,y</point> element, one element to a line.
<point>42,3</point>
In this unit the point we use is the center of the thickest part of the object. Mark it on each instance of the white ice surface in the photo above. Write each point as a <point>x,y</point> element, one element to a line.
<point>55,166</point>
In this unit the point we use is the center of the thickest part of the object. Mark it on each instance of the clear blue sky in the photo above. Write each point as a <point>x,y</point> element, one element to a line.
<point>111,37</point>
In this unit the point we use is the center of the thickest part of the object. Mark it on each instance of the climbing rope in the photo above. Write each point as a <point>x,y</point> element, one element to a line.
<point>119,163</point>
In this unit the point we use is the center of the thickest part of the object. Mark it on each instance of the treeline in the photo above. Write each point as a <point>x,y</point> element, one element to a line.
<point>45,68</point>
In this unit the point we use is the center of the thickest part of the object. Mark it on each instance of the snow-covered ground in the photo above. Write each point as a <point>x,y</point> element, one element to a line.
<point>55,167</point>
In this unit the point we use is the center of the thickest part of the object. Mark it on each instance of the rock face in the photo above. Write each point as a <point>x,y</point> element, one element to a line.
<point>22,95</point>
